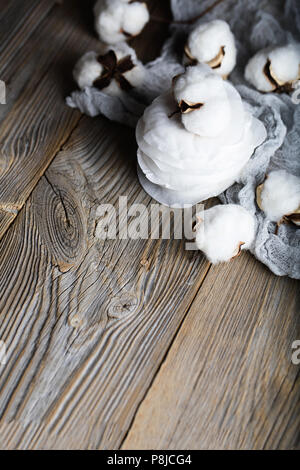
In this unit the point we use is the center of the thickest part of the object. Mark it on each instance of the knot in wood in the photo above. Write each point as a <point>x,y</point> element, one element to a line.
<point>122,306</point>
<point>61,224</point>
<point>65,225</point>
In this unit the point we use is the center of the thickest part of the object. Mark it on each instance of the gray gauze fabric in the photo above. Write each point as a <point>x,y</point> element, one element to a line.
<point>256,24</point>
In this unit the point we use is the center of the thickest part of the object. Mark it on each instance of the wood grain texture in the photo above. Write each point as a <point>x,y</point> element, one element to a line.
<point>41,44</point>
<point>19,19</point>
<point>86,322</point>
<point>228,381</point>
<point>36,121</point>
<point>20,29</point>
<point>93,327</point>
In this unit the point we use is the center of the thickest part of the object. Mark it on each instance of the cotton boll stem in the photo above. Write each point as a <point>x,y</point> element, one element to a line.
<point>294,218</point>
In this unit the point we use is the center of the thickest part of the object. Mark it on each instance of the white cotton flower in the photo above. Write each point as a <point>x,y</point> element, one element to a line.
<point>89,69</point>
<point>117,20</point>
<point>213,43</point>
<point>178,166</point>
<point>223,231</point>
<point>279,195</point>
<point>274,69</point>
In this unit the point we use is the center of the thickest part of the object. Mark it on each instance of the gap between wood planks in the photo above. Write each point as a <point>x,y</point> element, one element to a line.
<point>233,361</point>
<point>13,209</point>
<point>164,359</point>
<point>10,208</point>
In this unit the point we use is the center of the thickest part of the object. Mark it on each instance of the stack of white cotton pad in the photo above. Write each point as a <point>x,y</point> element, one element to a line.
<point>198,153</point>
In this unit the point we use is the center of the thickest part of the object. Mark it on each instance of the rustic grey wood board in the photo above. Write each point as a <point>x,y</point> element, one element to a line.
<point>36,122</point>
<point>228,381</point>
<point>118,343</point>
<point>86,322</point>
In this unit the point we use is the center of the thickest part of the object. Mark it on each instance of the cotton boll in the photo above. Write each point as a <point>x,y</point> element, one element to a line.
<point>108,20</point>
<point>203,100</point>
<point>87,70</point>
<point>137,74</point>
<point>285,63</point>
<point>213,43</point>
<point>212,120</point>
<point>135,18</point>
<point>223,231</point>
<point>187,86</point>
<point>279,195</point>
<point>254,72</point>
<point>116,20</point>
<point>274,69</point>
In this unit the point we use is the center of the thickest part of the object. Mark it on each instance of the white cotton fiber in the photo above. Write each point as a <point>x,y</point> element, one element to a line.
<point>284,67</point>
<point>209,40</point>
<point>285,63</point>
<point>199,85</point>
<point>108,20</point>
<point>135,18</point>
<point>280,195</point>
<point>116,20</point>
<point>254,72</point>
<point>87,69</point>
<point>224,231</point>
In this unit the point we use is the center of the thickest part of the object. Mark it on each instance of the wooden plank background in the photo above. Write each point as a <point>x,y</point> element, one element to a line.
<point>122,343</point>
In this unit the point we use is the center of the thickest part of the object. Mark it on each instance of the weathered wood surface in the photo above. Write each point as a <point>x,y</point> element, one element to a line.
<point>86,323</point>
<point>36,122</point>
<point>93,327</point>
<point>228,381</point>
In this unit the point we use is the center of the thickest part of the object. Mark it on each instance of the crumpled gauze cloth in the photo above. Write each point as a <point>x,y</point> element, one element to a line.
<point>256,24</point>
